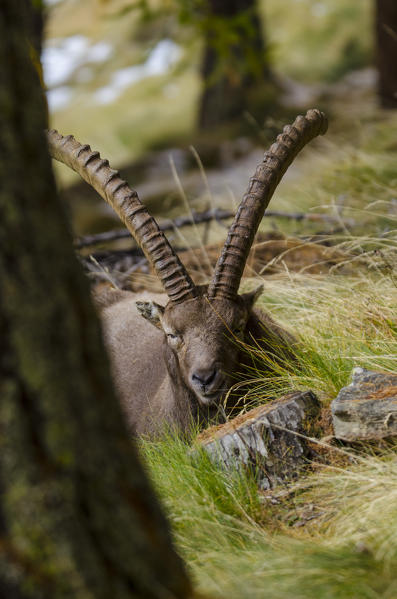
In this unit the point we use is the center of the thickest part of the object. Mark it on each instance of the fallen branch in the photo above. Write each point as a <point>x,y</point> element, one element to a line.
<point>200,217</point>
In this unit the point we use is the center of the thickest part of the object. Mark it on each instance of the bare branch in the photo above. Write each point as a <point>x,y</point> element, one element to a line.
<point>201,217</point>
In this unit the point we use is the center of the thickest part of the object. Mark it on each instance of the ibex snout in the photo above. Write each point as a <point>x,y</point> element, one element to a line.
<point>204,377</point>
<point>207,382</point>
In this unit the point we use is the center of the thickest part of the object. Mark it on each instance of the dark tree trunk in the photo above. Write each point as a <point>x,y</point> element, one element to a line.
<point>234,69</point>
<point>386,39</point>
<point>78,517</point>
<point>37,25</point>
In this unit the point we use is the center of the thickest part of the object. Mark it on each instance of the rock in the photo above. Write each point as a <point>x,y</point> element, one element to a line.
<point>265,438</point>
<point>367,408</point>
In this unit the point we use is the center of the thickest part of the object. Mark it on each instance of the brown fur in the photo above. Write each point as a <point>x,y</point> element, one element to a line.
<point>155,373</point>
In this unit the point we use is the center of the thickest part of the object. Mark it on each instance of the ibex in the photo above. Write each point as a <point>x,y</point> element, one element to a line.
<point>176,363</point>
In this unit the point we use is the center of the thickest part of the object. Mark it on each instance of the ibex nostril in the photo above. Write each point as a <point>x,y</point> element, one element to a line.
<point>204,377</point>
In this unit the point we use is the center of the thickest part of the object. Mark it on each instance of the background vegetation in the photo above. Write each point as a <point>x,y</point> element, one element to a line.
<point>320,41</point>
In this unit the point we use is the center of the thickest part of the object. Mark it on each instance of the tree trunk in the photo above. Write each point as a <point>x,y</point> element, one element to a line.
<point>78,517</point>
<point>386,39</point>
<point>234,67</point>
<point>37,25</point>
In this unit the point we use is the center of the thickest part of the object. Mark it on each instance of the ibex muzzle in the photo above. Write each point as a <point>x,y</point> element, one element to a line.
<point>183,365</point>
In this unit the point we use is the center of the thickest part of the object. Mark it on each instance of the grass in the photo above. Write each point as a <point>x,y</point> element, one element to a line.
<point>238,545</point>
<point>335,333</point>
<point>333,536</point>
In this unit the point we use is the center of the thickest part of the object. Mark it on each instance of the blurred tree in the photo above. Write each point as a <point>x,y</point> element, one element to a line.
<point>386,37</point>
<point>234,67</point>
<point>37,24</point>
<point>78,517</point>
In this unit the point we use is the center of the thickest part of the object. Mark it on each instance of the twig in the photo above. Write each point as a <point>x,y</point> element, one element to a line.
<point>196,218</point>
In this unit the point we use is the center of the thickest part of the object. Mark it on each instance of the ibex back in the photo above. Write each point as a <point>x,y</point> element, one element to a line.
<point>174,366</point>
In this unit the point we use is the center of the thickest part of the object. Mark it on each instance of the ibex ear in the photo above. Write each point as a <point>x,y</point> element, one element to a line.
<point>151,311</point>
<point>251,297</point>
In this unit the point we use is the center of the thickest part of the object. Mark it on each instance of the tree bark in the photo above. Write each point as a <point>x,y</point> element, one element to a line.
<point>234,67</point>
<point>78,517</point>
<point>386,42</point>
<point>37,25</point>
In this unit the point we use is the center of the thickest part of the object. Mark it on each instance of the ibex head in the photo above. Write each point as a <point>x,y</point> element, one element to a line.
<point>200,324</point>
<point>201,340</point>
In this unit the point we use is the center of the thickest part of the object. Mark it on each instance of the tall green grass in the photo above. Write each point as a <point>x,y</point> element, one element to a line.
<point>340,322</point>
<point>238,545</point>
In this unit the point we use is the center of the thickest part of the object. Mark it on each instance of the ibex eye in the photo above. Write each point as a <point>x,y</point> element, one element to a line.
<point>173,337</point>
<point>238,330</point>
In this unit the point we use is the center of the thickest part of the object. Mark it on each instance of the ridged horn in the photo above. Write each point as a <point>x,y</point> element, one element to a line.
<point>126,203</point>
<point>229,268</point>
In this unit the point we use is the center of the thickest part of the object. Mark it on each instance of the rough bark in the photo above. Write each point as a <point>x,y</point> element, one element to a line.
<point>234,67</point>
<point>386,42</point>
<point>37,22</point>
<point>78,517</point>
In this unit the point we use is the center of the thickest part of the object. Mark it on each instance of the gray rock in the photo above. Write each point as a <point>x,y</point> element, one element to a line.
<point>267,438</point>
<point>367,408</point>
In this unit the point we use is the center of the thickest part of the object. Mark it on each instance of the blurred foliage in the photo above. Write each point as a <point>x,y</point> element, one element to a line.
<point>319,40</point>
<point>306,40</point>
<point>221,31</point>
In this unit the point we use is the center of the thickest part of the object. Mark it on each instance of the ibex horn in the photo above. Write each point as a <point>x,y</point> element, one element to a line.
<point>229,268</point>
<point>108,183</point>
